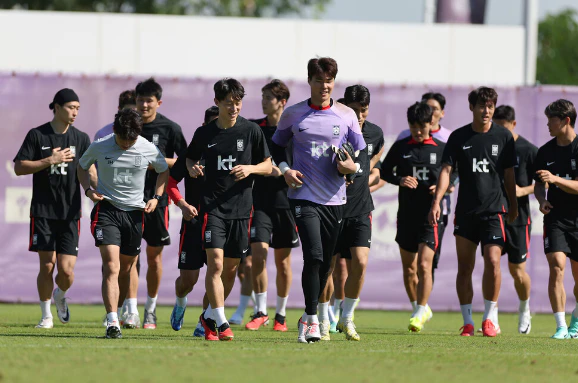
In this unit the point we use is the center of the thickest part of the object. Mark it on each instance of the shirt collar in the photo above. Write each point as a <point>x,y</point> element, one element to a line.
<point>429,141</point>
<point>319,107</point>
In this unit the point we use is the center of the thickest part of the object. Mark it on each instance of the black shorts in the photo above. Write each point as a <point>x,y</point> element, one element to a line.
<point>58,235</point>
<point>487,229</point>
<point>275,227</point>
<point>561,235</point>
<point>518,243</point>
<point>112,226</point>
<point>318,227</point>
<point>441,231</point>
<point>156,227</point>
<point>355,232</point>
<point>231,235</point>
<point>411,234</point>
<point>191,253</point>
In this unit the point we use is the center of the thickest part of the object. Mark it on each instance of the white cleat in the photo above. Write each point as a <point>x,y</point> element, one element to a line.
<point>312,334</point>
<point>324,327</point>
<point>61,308</point>
<point>236,319</point>
<point>45,323</point>
<point>131,321</point>
<point>524,323</point>
<point>302,331</point>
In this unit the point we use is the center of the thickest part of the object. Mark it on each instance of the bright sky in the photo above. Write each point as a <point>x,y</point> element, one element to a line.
<point>507,12</point>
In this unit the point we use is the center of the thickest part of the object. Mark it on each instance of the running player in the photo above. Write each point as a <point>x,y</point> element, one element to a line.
<point>273,223</point>
<point>316,188</point>
<point>168,137</point>
<point>484,154</point>
<point>126,100</point>
<point>414,164</point>
<point>234,149</point>
<point>50,153</point>
<point>117,218</point>
<point>556,168</point>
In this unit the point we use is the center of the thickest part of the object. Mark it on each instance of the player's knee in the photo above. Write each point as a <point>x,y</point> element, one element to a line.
<point>556,272</point>
<point>247,264</point>
<point>424,267</point>
<point>46,268</point>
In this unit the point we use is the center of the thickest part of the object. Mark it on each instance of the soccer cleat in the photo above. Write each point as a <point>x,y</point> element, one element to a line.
<point>312,334</point>
<point>428,313</point>
<point>113,330</point>
<point>257,321</point>
<point>236,319</point>
<point>225,332</point>
<point>150,320</point>
<point>333,328</point>
<point>122,317</point>
<point>210,327</point>
<point>415,324</point>
<point>302,331</point>
<point>348,327</point>
<point>104,321</point>
<point>561,333</point>
<point>525,323</point>
<point>177,317</point>
<point>199,331</point>
<point>573,328</point>
<point>61,308</point>
<point>131,321</point>
<point>324,326</point>
<point>467,330</point>
<point>489,329</point>
<point>45,323</point>
<point>280,323</point>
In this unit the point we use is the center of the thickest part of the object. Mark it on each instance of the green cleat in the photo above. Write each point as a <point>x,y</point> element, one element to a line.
<point>415,324</point>
<point>561,333</point>
<point>428,313</point>
<point>573,328</point>
<point>333,328</point>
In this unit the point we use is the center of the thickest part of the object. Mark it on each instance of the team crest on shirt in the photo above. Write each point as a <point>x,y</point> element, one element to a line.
<point>208,236</point>
<point>494,150</point>
<point>240,145</point>
<point>99,234</point>
<point>73,150</point>
<point>573,164</point>
<point>183,256</point>
<point>156,139</point>
<point>370,149</point>
<point>433,158</point>
<point>336,130</point>
<point>35,239</point>
<point>137,161</point>
<point>297,211</point>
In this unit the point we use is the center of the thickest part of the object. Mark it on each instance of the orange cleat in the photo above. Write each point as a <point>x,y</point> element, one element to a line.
<point>467,330</point>
<point>210,328</point>
<point>488,328</point>
<point>225,332</point>
<point>280,323</point>
<point>257,321</point>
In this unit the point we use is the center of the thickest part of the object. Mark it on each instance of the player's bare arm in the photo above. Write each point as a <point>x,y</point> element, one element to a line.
<point>441,187</point>
<point>348,166</point>
<point>243,171</point>
<point>194,168</point>
<point>510,184</point>
<point>24,167</point>
<point>540,194</point>
<point>569,186</point>
<point>160,186</point>
<point>85,181</point>
<point>522,191</point>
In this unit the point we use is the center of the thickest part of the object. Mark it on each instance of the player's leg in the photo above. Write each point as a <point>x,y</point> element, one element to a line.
<point>244,272</point>
<point>410,278</point>
<point>557,293</point>
<point>441,231</point>
<point>522,284</point>
<point>466,252</point>
<point>425,259</point>
<point>259,282</point>
<point>573,328</point>
<point>283,282</point>
<point>215,293</point>
<point>491,283</point>
<point>353,286</point>
<point>339,277</point>
<point>110,255</point>
<point>323,305</point>
<point>130,308</point>
<point>45,284</point>
<point>64,279</point>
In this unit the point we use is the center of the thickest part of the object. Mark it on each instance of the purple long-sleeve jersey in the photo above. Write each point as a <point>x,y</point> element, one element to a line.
<point>314,131</point>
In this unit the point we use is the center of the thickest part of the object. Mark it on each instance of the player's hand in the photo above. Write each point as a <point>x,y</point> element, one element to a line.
<point>240,172</point>
<point>189,212</point>
<point>151,205</point>
<point>546,207</point>
<point>519,192</point>
<point>347,166</point>
<point>94,195</point>
<point>292,178</point>
<point>59,156</point>
<point>275,172</point>
<point>432,189</point>
<point>546,177</point>
<point>434,214</point>
<point>451,188</point>
<point>196,170</point>
<point>408,182</point>
<point>512,214</point>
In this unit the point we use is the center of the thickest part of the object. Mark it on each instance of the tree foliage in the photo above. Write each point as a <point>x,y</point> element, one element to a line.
<point>239,8</point>
<point>557,54</point>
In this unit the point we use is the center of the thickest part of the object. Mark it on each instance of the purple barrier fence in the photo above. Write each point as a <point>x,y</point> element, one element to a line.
<point>24,103</point>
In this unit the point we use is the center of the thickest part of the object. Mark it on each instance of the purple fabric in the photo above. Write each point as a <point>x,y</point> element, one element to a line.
<point>441,134</point>
<point>105,131</point>
<point>23,105</point>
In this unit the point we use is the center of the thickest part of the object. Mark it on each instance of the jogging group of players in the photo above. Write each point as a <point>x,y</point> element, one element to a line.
<point>300,176</point>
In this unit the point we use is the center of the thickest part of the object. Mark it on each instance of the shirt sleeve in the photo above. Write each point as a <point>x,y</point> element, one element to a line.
<point>389,163</point>
<point>451,151</point>
<point>354,135</point>
<point>194,151</point>
<point>260,150</point>
<point>403,134</point>
<point>380,145</point>
<point>531,162</point>
<point>284,133</point>
<point>179,169</point>
<point>84,146</point>
<point>509,154</point>
<point>88,157</point>
<point>539,164</point>
<point>29,149</point>
<point>157,159</point>
<point>179,143</point>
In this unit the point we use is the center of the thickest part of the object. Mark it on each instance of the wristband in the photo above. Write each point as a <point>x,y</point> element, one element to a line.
<point>157,197</point>
<point>284,167</point>
<point>86,191</point>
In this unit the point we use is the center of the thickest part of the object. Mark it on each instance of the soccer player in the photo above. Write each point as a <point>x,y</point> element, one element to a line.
<point>49,152</point>
<point>118,216</point>
<point>273,222</point>
<point>168,137</point>
<point>484,154</point>
<point>316,188</point>
<point>518,233</point>
<point>414,164</point>
<point>126,100</point>
<point>234,149</point>
<point>352,249</point>
<point>556,168</point>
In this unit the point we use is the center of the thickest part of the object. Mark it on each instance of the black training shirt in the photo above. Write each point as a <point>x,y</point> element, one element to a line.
<point>525,160</point>
<point>193,186</point>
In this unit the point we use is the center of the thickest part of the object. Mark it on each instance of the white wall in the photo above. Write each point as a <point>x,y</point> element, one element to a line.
<point>100,43</point>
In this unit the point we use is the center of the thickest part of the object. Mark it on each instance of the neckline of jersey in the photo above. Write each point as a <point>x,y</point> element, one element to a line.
<point>312,106</point>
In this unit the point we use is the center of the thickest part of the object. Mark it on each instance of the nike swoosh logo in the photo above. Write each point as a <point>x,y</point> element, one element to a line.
<point>165,238</point>
<point>523,256</point>
<point>369,240</point>
<point>302,129</point>
<point>211,145</point>
<point>295,241</point>
<point>550,163</point>
<point>244,251</point>
<point>45,147</point>
<point>77,249</point>
<point>466,147</point>
<point>407,156</point>
<point>67,317</point>
<point>138,248</point>
<point>339,221</point>
<point>494,237</point>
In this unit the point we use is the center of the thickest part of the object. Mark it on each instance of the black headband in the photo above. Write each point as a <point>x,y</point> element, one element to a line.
<point>63,96</point>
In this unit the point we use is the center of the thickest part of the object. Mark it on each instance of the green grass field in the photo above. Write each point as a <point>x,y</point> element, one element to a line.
<point>387,353</point>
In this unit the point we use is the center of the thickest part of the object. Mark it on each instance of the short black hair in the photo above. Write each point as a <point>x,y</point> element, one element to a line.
<point>128,97</point>
<point>341,100</point>
<point>149,88</point>
<point>419,113</point>
<point>127,124</point>
<point>435,96</point>
<point>505,112</point>
<point>357,93</point>
<point>278,88</point>
<point>229,85</point>
<point>323,66</point>
<point>210,113</point>
<point>561,108</point>
<point>482,95</point>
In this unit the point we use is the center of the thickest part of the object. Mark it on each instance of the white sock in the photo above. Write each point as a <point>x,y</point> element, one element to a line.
<point>209,312</point>
<point>337,308</point>
<point>419,311</point>
<point>489,308</point>
<point>59,294</point>
<point>312,319</point>
<point>45,308</point>
<point>467,314</point>
<point>560,319</point>
<point>323,309</point>
<point>112,317</point>
<point>413,306</point>
<point>331,315</point>
<point>119,310</point>
<point>348,307</point>
<point>182,302</point>
<point>253,298</point>
<point>220,317</point>
<point>262,302</point>
<point>124,306</point>
<point>243,303</point>
<point>151,304</point>
<point>131,305</point>
<point>524,306</point>
<point>281,305</point>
